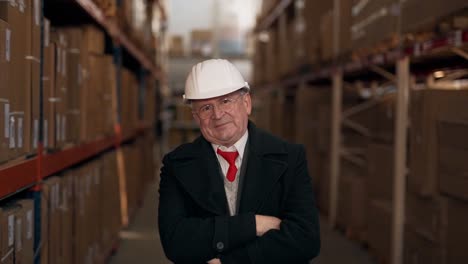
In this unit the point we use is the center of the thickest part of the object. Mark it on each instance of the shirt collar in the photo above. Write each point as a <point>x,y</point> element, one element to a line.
<point>239,145</point>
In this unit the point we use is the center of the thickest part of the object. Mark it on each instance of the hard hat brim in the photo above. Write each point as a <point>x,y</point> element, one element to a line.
<point>213,94</point>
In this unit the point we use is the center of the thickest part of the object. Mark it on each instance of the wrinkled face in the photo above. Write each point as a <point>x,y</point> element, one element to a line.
<point>223,120</point>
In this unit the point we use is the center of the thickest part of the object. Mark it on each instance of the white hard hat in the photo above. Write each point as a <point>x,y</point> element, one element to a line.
<point>212,78</point>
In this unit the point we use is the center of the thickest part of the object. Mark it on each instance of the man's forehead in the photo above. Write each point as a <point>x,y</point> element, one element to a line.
<point>214,99</point>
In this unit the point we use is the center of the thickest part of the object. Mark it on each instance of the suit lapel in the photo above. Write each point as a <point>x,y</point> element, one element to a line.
<point>261,175</point>
<point>199,176</point>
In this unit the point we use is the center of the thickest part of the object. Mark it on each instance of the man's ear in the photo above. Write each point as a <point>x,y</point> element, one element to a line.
<point>248,103</point>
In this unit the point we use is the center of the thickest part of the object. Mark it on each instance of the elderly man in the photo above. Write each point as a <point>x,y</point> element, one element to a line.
<point>236,194</point>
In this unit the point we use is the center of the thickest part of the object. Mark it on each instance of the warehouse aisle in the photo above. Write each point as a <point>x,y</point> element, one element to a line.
<point>140,242</point>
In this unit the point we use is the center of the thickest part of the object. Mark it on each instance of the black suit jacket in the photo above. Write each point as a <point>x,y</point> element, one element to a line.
<point>194,222</point>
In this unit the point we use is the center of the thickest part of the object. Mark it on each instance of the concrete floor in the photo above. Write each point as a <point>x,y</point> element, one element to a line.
<point>140,241</point>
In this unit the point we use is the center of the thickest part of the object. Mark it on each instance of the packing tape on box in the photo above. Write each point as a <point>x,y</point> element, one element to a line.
<point>21,5</point>
<point>359,6</point>
<point>74,51</point>
<point>7,44</point>
<point>32,58</point>
<point>6,124</point>
<point>7,254</point>
<point>16,113</point>
<point>55,99</point>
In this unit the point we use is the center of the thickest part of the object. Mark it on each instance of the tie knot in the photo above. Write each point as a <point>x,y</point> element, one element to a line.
<point>229,156</point>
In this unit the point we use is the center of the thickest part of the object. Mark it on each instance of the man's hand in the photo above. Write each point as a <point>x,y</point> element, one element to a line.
<point>266,223</point>
<point>214,261</point>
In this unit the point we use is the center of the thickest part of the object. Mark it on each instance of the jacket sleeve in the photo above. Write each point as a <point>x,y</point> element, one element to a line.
<point>188,239</point>
<point>298,239</point>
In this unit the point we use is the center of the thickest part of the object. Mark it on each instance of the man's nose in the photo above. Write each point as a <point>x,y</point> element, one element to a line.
<point>217,112</point>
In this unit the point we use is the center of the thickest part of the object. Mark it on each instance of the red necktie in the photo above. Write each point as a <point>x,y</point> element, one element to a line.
<point>230,157</point>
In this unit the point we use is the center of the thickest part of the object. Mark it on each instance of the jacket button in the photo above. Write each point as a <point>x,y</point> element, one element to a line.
<point>220,246</point>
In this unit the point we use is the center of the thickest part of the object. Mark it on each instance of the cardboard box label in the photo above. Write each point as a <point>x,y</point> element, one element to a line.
<point>19,234</point>
<point>64,125</point>
<point>7,120</point>
<point>20,132</point>
<point>12,132</point>
<point>11,230</point>
<point>46,33</point>
<point>22,5</point>
<point>29,225</point>
<point>37,13</point>
<point>46,134</point>
<point>36,133</point>
<point>7,44</point>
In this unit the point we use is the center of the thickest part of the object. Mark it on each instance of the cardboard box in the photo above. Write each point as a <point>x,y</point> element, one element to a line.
<point>380,165</point>
<point>457,235</point>
<point>201,42</point>
<point>19,19</point>
<point>51,195</point>
<point>380,228</point>
<point>324,126</point>
<point>66,221</point>
<point>24,240</point>
<point>45,230</point>
<point>385,121</point>
<point>61,90</point>
<point>308,100</point>
<point>34,58</point>
<point>416,17</point>
<point>5,91</point>
<point>453,157</point>
<point>326,36</point>
<point>420,250</point>
<point>93,40</point>
<point>428,106</point>
<point>373,21</point>
<point>50,102</point>
<point>314,9</point>
<point>272,60</point>
<point>7,234</point>
<point>35,89</point>
<point>284,41</point>
<point>426,216</point>
<point>352,198</point>
<point>176,48</point>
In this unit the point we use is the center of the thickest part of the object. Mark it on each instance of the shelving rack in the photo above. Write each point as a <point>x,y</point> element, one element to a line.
<point>28,174</point>
<point>383,64</point>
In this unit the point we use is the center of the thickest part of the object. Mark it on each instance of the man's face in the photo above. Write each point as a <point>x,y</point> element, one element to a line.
<point>225,118</point>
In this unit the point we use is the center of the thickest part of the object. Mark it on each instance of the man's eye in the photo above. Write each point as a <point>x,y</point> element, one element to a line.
<point>226,101</point>
<point>205,108</point>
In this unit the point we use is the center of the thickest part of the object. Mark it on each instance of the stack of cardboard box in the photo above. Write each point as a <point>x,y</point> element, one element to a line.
<point>176,48</point>
<point>17,232</point>
<point>20,37</point>
<point>201,43</point>
<point>436,198</point>
<point>81,210</point>
<point>129,105</point>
